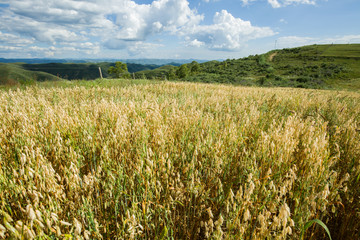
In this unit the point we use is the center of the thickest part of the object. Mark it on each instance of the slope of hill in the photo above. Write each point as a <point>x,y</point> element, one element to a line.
<point>316,66</point>
<point>86,71</point>
<point>66,71</point>
<point>13,74</point>
<point>334,65</point>
<point>157,73</point>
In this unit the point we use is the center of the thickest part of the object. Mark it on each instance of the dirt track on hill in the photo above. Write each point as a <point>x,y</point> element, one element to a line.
<point>272,56</point>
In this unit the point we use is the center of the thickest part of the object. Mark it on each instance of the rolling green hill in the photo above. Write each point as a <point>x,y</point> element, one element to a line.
<point>13,74</point>
<point>157,73</point>
<point>337,66</point>
<point>69,71</point>
<point>316,66</point>
<point>86,71</point>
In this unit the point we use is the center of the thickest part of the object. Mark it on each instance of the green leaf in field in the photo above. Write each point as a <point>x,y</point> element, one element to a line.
<point>164,233</point>
<point>68,237</point>
<point>311,222</point>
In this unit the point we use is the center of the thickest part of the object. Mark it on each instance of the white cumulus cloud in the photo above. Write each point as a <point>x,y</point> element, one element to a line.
<point>16,40</point>
<point>227,32</point>
<point>194,43</point>
<point>283,3</point>
<point>296,41</point>
<point>136,22</point>
<point>247,2</point>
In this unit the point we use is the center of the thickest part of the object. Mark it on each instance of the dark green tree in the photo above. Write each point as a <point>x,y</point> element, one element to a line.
<point>120,70</point>
<point>195,67</point>
<point>182,71</point>
<point>172,74</point>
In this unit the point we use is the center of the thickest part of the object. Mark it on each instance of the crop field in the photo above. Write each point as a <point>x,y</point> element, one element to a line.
<point>170,160</point>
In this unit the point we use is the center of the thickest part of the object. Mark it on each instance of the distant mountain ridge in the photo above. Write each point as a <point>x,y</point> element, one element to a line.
<point>143,61</point>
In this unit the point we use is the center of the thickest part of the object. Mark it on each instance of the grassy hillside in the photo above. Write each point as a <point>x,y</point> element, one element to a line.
<point>157,73</point>
<point>339,50</point>
<point>86,71</point>
<point>332,65</point>
<point>14,74</point>
<point>178,161</point>
<point>316,66</point>
<point>69,71</point>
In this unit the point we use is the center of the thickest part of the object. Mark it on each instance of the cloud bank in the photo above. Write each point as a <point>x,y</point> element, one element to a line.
<point>295,41</point>
<point>86,26</point>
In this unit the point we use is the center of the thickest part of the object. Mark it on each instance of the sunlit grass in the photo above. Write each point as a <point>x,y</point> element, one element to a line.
<point>119,160</point>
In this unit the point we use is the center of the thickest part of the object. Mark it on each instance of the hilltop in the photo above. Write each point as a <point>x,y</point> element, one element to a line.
<point>315,66</point>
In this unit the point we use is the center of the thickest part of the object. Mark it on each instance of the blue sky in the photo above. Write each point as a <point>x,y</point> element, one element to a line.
<point>200,29</point>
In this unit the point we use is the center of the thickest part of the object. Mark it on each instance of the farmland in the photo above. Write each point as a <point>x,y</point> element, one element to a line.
<point>170,160</point>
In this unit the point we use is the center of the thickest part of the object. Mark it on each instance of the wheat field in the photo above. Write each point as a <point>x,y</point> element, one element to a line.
<point>178,161</point>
